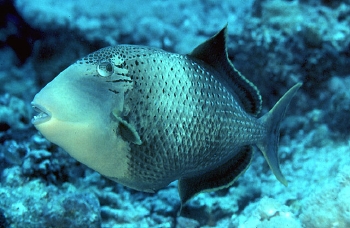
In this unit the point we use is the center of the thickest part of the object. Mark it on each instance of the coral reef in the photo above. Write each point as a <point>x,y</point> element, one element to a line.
<point>329,206</point>
<point>269,213</point>
<point>42,186</point>
<point>34,204</point>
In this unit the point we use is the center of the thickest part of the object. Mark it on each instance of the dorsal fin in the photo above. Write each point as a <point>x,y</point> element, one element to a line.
<point>214,53</point>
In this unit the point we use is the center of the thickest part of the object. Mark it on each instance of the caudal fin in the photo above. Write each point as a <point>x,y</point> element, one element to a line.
<point>272,121</point>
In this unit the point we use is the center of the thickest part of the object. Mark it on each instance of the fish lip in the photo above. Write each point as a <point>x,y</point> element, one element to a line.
<point>43,114</point>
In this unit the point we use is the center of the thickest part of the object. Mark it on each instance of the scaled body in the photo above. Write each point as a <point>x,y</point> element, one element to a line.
<point>145,117</point>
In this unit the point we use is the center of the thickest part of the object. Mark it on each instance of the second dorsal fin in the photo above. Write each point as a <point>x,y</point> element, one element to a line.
<point>214,53</point>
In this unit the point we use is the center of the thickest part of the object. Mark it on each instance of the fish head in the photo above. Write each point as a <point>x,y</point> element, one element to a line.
<point>81,110</point>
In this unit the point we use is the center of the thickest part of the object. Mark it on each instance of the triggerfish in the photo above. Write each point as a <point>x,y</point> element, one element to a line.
<point>144,117</point>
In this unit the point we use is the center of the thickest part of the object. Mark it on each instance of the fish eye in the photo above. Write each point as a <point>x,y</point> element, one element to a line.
<point>105,69</point>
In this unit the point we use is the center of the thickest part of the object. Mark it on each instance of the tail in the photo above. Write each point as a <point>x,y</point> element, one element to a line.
<point>272,121</point>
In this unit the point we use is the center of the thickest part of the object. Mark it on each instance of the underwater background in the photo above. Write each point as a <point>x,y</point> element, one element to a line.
<point>273,43</point>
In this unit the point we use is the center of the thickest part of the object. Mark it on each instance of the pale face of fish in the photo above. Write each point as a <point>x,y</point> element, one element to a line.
<point>74,115</point>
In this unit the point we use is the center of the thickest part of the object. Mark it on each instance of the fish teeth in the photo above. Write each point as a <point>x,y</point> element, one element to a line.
<point>42,114</point>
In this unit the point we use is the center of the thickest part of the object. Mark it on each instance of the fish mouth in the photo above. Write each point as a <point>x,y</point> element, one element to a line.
<point>43,115</point>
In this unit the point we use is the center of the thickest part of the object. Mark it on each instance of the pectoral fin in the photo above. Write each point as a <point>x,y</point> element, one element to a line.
<point>218,178</point>
<point>126,130</point>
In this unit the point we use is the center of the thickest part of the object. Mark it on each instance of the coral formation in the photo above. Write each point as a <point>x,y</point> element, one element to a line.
<point>329,206</point>
<point>41,186</point>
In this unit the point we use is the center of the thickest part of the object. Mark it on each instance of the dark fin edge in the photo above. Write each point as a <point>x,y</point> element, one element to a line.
<point>221,177</point>
<point>214,53</point>
<point>272,121</point>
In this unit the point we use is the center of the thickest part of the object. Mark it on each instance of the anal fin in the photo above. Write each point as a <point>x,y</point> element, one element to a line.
<point>218,178</point>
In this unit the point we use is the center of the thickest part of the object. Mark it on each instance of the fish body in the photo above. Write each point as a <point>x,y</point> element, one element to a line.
<point>144,117</point>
